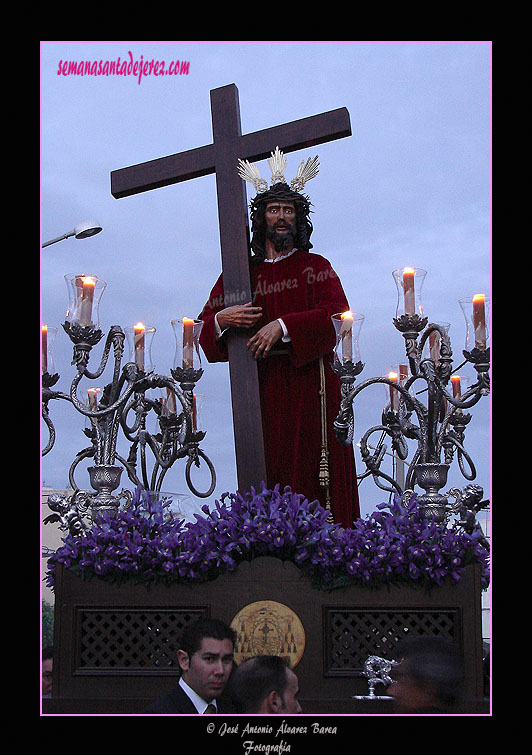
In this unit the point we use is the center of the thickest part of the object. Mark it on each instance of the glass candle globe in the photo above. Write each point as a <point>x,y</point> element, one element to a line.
<point>476,310</point>
<point>48,337</point>
<point>187,333</point>
<point>409,282</point>
<point>85,293</point>
<point>347,327</point>
<point>140,338</point>
<point>431,349</point>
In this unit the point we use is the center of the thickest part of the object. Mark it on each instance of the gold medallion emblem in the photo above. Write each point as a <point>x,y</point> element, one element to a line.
<point>268,628</point>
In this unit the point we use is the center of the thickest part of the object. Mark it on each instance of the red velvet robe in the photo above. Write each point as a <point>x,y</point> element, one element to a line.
<point>304,291</point>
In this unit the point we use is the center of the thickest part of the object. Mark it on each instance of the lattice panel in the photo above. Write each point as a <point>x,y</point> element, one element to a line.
<point>352,635</point>
<point>132,640</point>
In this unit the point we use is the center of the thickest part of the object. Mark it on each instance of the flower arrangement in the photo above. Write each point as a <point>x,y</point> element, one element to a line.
<point>146,543</point>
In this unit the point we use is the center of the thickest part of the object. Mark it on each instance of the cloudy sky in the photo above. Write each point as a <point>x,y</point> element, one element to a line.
<point>411,186</point>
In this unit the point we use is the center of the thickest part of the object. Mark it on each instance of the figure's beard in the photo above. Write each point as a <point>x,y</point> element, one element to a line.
<point>282,241</point>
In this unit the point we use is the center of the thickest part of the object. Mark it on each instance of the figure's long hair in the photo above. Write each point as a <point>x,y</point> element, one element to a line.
<point>279,192</point>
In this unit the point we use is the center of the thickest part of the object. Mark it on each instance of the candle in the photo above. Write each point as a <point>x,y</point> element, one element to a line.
<point>194,413</point>
<point>188,340</point>
<point>138,342</point>
<point>346,334</point>
<point>479,321</point>
<point>45,348</point>
<point>170,401</point>
<point>408,288</point>
<point>85,304</point>
<point>434,345</point>
<point>394,394</point>
<point>92,393</point>
<point>455,382</point>
<point>403,373</point>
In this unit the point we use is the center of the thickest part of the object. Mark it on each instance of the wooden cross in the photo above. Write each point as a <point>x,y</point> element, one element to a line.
<point>220,158</point>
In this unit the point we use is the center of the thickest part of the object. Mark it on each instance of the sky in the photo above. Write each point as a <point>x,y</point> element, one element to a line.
<point>410,187</point>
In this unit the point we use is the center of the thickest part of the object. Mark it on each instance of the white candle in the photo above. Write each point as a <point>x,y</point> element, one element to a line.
<point>45,348</point>
<point>434,345</point>
<point>188,340</point>
<point>479,320</point>
<point>346,332</point>
<point>85,304</point>
<point>194,413</point>
<point>394,394</point>
<point>408,288</point>
<point>455,381</point>
<point>457,392</point>
<point>170,401</point>
<point>138,342</point>
<point>92,393</point>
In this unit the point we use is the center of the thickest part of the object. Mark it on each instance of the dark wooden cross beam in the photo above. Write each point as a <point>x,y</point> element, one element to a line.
<point>220,158</point>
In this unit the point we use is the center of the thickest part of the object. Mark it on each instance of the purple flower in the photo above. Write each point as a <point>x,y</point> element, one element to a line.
<point>394,543</point>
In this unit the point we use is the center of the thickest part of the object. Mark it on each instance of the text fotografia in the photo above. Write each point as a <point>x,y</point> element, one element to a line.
<point>119,67</point>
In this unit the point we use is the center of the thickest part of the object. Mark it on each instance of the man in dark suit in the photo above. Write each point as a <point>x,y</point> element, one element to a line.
<point>205,657</point>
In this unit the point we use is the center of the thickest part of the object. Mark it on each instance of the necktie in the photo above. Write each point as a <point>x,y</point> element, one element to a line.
<point>209,709</point>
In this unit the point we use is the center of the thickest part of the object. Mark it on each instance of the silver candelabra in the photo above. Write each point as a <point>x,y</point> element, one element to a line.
<point>441,416</point>
<point>125,405</point>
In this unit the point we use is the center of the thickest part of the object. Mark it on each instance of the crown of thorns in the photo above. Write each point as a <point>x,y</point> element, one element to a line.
<point>308,169</point>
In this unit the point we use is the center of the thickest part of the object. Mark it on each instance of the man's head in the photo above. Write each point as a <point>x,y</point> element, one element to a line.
<point>206,657</point>
<point>281,225</point>
<point>429,676</point>
<point>263,222</point>
<point>265,684</point>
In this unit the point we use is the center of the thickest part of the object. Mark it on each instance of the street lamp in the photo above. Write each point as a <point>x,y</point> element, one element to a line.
<point>81,231</point>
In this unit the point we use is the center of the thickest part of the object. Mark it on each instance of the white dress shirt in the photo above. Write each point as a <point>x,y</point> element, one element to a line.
<point>198,702</point>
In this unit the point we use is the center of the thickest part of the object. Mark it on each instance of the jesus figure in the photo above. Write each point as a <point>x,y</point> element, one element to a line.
<point>294,294</point>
